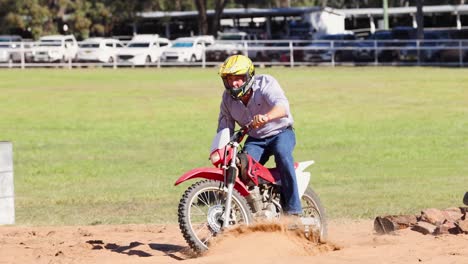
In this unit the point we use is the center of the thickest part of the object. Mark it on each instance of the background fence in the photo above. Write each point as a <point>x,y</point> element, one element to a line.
<point>290,53</point>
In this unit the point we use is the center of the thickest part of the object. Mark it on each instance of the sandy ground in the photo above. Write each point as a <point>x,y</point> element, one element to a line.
<point>349,242</point>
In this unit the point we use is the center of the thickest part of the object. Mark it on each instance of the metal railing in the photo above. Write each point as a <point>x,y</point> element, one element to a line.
<point>290,53</point>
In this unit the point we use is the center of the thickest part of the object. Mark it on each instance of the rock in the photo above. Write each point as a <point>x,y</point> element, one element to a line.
<point>431,221</point>
<point>441,230</point>
<point>384,226</point>
<point>404,221</point>
<point>391,223</point>
<point>433,216</point>
<point>446,228</point>
<point>453,214</point>
<point>463,210</point>
<point>463,225</point>
<point>424,228</point>
<point>438,217</point>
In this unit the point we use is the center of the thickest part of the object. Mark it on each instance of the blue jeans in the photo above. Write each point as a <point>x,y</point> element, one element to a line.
<point>281,147</point>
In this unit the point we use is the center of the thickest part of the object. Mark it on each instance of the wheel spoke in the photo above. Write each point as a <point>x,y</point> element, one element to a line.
<point>204,234</point>
<point>203,226</point>
<point>198,208</point>
<point>218,199</point>
<point>208,238</point>
<point>201,198</point>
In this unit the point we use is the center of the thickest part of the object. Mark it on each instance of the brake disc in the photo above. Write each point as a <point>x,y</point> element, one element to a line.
<point>215,218</point>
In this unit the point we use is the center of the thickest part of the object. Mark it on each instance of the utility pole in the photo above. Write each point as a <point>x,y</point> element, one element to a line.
<point>385,14</point>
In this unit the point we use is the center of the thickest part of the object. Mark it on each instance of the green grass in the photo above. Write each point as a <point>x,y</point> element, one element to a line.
<point>105,146</point>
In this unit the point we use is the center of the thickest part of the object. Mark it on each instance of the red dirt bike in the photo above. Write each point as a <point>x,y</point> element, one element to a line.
<point>238,190</point>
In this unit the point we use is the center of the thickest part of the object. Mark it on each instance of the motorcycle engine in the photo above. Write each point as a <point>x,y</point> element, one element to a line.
<point>261,203</point>
<point>262,199</point>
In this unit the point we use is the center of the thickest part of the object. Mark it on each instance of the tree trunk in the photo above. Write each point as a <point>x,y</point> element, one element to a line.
<point>219,7</point>
<point>420,18</point>
<point>202,17</point>
<point>178,5</point>
<point>284,3</point>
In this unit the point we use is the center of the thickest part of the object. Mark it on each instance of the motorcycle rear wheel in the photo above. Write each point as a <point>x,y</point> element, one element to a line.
<point>200,212</point>
<point>312,207</point>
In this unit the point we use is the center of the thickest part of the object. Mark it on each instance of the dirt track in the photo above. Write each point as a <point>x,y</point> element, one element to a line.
<point>135,244</point>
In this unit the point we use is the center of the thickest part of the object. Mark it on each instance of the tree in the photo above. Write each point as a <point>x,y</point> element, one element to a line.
<point>203,28</point>
<point>219,7</point>
<point>32,16</point>
<point>177,5</point>
<point>80,22</point>
<point>202,17</point>
<point>125,11</point>
<point>101,19</point>
<point>8,17</point>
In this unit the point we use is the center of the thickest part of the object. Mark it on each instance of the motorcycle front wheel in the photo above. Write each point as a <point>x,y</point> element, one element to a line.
<point>201,210</point>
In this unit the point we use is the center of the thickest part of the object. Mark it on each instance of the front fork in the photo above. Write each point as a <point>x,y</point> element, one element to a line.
<point>230,175</point>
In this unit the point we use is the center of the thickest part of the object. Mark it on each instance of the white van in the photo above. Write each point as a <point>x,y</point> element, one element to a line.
<point>55,48</point>
<point>231,43</point>
<point>189,49</point>
<point>98,50</point>
<point>10,48</point>
<point>143,49</point>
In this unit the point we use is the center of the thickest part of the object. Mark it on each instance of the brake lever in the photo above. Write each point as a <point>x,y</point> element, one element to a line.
<point>239,135</point>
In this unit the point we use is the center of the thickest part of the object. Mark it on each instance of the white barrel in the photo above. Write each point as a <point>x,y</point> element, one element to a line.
<point>7,194</point>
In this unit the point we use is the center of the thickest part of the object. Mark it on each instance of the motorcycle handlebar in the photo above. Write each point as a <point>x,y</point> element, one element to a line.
<point>239,135</point>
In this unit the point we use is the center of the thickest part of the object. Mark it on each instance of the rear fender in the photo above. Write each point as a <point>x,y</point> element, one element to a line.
<point>211,174</point>
<point>303,177</point>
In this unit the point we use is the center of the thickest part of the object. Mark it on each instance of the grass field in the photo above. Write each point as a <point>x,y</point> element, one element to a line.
<point>105,146</point>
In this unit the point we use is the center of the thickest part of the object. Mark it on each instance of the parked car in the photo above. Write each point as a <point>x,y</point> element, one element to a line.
<point>380,42</point>
<point>455,51</point>
<point>10,48</point>
<point>404,44</point>
<point>28,50</point>
<point>325,47</point>
<point>231,43</point>
<point>429,48</point>
<point>98,50</point>
<point>456,48</point>
<point>390,45</point>
<point>401,44</point>
<point>188,49</point>
<point>143,49</point>
<point>55,48</point>
<point>280,52</point>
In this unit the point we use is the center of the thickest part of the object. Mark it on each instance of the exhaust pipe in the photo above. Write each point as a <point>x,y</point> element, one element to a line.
<point>465,198</point>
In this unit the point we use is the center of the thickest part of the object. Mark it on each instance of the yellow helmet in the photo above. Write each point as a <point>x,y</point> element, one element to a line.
<point>237,65</point>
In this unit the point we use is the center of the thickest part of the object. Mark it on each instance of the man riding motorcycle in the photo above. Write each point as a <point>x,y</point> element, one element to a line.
<point>260,101</point>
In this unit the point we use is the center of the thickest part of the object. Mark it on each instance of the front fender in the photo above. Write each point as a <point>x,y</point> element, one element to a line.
<point>211,174</point>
